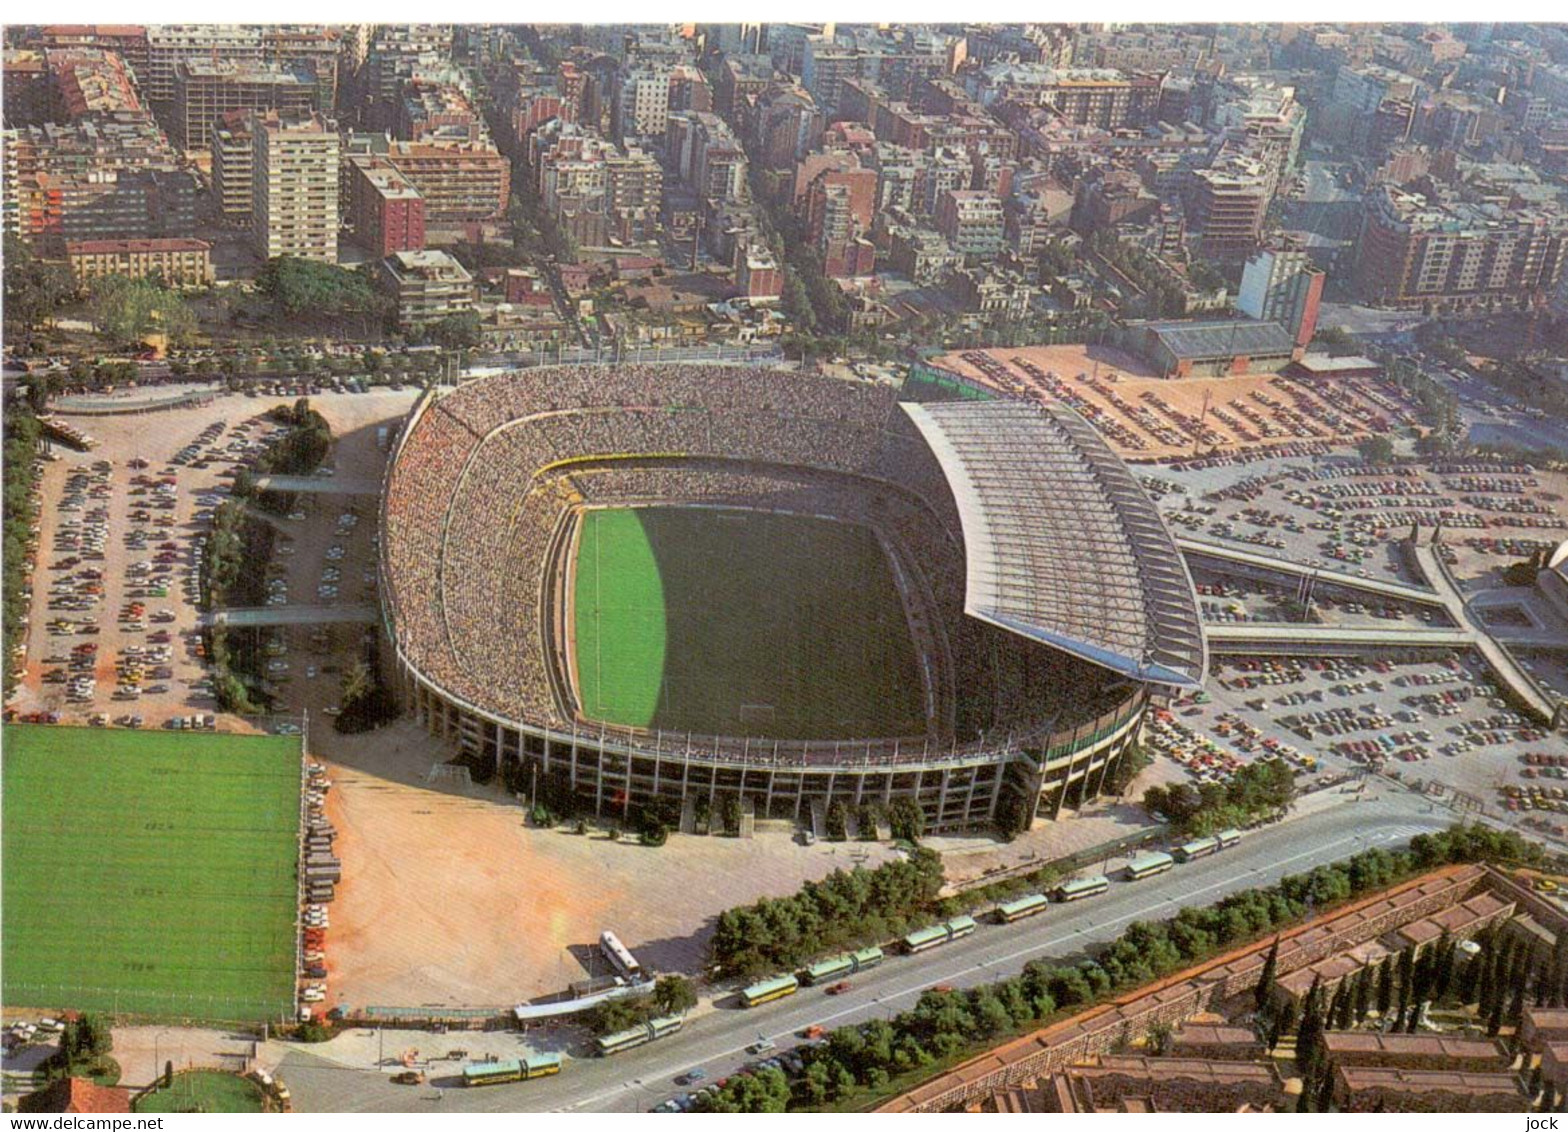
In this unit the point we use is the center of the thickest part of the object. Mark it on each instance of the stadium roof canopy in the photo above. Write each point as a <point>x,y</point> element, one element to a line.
<point>1227,339</point>
<point>1062,544</point>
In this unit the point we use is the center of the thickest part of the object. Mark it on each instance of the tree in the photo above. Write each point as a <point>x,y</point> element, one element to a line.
<point>1385,986</point>
<point>907,819</point>
<point>1265,987</point>
<point>456,331</point>
<point>127,311</point>
<point>674,994</point>
<point>34,288</point>
<point>1377,450</point>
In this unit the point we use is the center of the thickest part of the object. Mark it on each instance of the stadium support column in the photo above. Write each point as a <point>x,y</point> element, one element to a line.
<point>500,743</point>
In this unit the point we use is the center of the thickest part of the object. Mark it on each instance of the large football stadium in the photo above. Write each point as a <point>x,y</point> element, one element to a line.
<point>711,582</point>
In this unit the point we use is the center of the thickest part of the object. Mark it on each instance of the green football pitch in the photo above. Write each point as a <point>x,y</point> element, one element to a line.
<point>731,622</point>
<point>150,873</point>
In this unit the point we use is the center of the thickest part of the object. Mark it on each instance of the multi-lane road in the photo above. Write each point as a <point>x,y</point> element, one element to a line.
<point>716,1038</point>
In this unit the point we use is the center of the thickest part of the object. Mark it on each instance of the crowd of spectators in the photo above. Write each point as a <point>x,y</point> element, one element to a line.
<point>475,500</point>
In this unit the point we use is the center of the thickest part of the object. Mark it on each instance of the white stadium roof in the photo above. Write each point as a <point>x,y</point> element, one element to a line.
<point>1062,543</point>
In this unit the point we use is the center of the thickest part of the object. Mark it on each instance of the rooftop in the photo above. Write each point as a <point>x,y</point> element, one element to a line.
<point>1228,338</point>
<point>1063,546</point>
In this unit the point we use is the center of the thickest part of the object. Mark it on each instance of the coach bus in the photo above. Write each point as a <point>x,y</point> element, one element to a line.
<point>769,990</point>
<point>642,1034</point>
<point>1149,864</point>
<point>504,1072</point>
<point>1081,888</point>
<point>938,934</point>
<point>1024,906</point>
<point>1204,846</point>
<point>841,965</point>
<point>1193,850</point>
<point>620,958</point>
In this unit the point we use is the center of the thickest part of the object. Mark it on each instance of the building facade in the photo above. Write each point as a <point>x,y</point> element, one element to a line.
<point>294,188</point>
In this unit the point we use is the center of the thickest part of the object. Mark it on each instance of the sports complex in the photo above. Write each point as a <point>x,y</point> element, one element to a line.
<point>716,581</point>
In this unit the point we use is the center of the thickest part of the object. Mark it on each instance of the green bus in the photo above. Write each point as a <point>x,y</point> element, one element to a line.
<point>938,934</point>
<point>769,990</point>
<point>1149,864</point>
<point>1081,888</point>
<point>841,965</point>
<point>1029,905</point>
<point>1193,850</point>
<point>651,1030</point>
<point>504,1072</point>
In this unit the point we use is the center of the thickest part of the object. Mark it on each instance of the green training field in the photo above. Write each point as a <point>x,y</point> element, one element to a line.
<point>741,623</point>
<point>150,873</point>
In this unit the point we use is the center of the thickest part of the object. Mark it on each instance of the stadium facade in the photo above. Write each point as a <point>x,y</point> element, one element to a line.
<point>1047,600</point>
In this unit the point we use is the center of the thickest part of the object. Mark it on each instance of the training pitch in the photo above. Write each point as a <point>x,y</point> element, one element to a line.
<point>746,623</point>
<point>150,873</point>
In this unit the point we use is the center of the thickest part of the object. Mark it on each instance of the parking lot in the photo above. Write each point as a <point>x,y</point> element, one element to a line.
<point>113,631</point>
<point>1438,722</point>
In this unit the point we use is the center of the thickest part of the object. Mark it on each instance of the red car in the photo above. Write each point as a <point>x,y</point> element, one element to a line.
<point>839,987</point>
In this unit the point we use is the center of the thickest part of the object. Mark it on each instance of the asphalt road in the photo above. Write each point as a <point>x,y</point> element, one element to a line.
<point>716,1040</point>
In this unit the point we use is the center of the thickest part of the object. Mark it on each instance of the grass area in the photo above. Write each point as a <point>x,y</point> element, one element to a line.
<point>741,623</point>
<point>205,1090</point>
<point>149,873</point>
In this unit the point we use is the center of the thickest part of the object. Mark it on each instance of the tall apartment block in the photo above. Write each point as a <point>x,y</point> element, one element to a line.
<point>1281,285</point>
<point>205,90</point>
<point>294,187</point>
<point>384,209</point>
<point>312,47</point>
<point>1226,206</point>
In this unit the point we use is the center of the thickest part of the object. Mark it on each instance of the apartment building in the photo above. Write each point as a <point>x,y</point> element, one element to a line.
<point>294,187</point>
<point>1226,207</point>
<point>89,82</point>
<point>96,179</point>
<point>312,47</point>
<point>1440,254</point>
<point>427,285</point>
<point>233,165</point>
<point>180,262</point>
<point>1087,96</point>
<point>1281,285</point>
<point>205,90</point>
<point>383,208</point>
<point>972,221</point>
<point>460,183</point>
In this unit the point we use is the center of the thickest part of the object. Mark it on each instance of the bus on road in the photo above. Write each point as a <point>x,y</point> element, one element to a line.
<point>1081,888</point>
<point>1191,851</point>
<point>841,965</point>
<point>1149,864</point>
<point>517,1069</point>
<point>938,934</point>
<point>651,1030</point>
<point>1024,906</point>
<point>769,990</point>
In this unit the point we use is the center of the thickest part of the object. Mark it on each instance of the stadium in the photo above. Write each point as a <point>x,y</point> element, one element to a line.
<point>715,583</point>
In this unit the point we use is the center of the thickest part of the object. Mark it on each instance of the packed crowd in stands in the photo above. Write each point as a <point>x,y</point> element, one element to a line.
<point>485,474</point>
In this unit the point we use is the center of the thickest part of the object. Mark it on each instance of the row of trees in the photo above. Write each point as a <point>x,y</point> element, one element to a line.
<point>1259,790</point>
<point>234,572</point>
<point>22,434</point>
<point>947,1024</point>
<point>843,910</point>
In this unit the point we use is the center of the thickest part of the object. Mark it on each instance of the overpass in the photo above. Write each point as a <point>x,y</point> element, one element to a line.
<point>320,485</point>
<point>1508,671</point>
<point>256,615</point>
<point>1339,640</point>
<point>1235,556</point>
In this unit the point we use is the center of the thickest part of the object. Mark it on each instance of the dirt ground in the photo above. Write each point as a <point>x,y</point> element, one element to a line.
<point>449,897</point>
<point>1146,417</point>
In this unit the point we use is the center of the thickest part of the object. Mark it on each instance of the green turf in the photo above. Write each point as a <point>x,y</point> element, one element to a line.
<point>150,873</point>
<point>205,1090</point>
<point>741,623</point>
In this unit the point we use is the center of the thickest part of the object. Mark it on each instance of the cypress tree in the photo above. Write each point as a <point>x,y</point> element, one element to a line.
<point>1325,1098</point>
<point>1443,979</point>
<point>1363,994</point>
<point>1265,987</point>
<point>1385,987</point>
